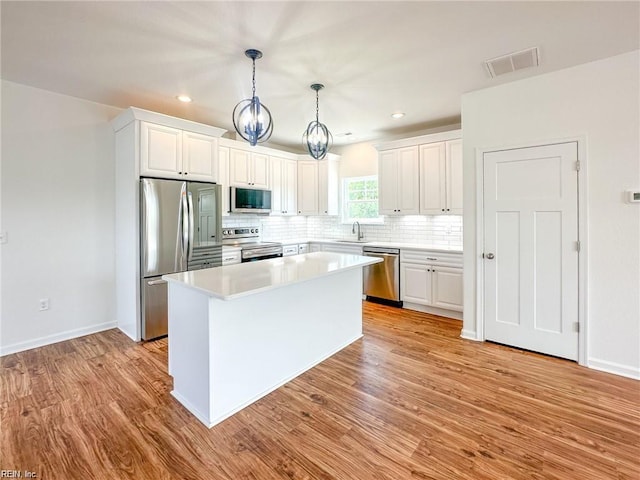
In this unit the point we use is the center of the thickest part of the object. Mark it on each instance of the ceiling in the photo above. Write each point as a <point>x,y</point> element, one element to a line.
<point>374,58</point>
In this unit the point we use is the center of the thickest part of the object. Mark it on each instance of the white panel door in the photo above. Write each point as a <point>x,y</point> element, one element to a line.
<point>260,170</point>
<point>200,157</point>
<point>447,287</point>
<point>415,281</point>
<point>408,181</point>
<point>290,187</point>
<point>277,195</point>
<point>432,174</point>
<point>453,174</point>
<point>239,168</point>
<point>388,183</point>
<point>530,242</point>
<point>308,187</point>
<point>160,151</point>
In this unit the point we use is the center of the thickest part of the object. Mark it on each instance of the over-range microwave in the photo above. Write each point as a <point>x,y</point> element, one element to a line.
<point>250,200</point>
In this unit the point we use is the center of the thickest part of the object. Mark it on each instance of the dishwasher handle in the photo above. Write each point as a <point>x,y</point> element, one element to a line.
<point>376,254</point>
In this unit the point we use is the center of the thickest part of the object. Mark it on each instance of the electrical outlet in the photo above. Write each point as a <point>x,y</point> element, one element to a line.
<point>4,237</point>
<point>44,304</point>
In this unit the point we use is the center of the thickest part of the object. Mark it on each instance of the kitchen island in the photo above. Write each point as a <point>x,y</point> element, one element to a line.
<point>238,332</point>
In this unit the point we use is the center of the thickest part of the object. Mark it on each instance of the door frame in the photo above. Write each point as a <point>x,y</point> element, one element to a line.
<point>582,206</point>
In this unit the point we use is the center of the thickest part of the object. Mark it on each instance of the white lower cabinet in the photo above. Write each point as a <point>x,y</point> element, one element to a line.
<point>288,250</point>
<point>231,256</point>
<point>431,279</point>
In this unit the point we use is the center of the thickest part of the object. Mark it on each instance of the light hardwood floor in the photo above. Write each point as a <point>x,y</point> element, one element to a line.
<point>410,400</point>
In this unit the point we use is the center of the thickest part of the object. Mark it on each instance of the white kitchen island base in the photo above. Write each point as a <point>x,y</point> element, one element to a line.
<point>225,353</point>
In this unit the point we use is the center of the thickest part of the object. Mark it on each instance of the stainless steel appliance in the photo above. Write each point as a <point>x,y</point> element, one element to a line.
<point>180,229</point>
<point>250,200</point>
<point>381,281</point>
<point>251,248</point>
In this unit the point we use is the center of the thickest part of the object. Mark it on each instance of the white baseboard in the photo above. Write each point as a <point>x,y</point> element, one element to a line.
<point>615,368</point>
<point>470,335</point>
<point>433,310</point>
<point>55,338</point>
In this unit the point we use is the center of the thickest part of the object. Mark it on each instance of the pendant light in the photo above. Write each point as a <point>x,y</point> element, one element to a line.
<point>317,136</point>
<point>252,119</point>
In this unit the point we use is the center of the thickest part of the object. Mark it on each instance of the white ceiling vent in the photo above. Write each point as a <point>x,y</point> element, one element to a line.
<point>513,61</point>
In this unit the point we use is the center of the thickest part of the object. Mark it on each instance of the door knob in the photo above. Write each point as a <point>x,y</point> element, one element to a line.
<point>490,256</point>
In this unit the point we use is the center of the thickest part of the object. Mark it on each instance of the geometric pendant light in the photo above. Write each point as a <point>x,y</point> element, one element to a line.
<point>317,137</point>
<point>252,119</point>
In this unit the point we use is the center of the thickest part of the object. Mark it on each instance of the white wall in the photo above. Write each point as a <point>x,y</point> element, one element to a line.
<point>599,101</point>
<point>58,209</point>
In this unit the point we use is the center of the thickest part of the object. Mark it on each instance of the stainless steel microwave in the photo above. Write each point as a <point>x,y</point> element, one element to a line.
<point>250,200</point>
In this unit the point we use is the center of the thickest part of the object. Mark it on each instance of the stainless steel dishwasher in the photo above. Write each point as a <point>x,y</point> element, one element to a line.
<point>381,281</point>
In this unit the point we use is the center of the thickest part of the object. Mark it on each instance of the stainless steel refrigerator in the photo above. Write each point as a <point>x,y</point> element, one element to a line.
<point>180,229</point>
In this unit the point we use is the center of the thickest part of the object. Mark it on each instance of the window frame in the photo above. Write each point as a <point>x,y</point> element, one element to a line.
<point>344,207</point>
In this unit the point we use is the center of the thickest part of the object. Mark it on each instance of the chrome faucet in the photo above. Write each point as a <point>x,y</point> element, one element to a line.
<point>353,230</point>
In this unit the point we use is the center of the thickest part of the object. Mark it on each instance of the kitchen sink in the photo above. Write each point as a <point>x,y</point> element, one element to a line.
<point>353,241</point>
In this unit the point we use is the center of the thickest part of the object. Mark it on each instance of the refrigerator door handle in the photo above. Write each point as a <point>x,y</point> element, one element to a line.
<point>191,226</point>
<point>184,211</point>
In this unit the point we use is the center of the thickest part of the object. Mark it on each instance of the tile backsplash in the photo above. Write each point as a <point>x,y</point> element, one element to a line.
<point>436,230</point>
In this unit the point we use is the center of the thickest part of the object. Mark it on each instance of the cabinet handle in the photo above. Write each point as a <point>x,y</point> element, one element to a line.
<point>179,173</point>
<point>443,209</point>
<point>431,258</point>
<point>186,173</point>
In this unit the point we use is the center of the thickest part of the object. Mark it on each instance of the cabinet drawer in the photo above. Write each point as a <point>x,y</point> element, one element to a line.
<point>230,256</point>
<point>289,250</point>
<point>426,257</point>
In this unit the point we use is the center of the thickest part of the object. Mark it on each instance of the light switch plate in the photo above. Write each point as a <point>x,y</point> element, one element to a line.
<point>633,196</point>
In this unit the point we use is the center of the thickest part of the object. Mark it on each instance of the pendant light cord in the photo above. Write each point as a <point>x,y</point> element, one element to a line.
<point>254,77</point>
<point>317,107</point>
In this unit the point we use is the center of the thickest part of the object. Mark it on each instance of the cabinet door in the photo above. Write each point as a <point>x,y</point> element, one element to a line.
<point>454,177</point>
<point>277,185</point>
<point>447,288</point>
<point>308,187</point>
<point>239,168</point>
<point>408,181</point>
<point>160,151</point>
<point>259,176</point>
<point>328,187</point>
<point>223,178</point>
<point>432,178</point>
<point>290,187</point>
<point>387,183</point>
<point>415,282</point>
<point>199,157</point>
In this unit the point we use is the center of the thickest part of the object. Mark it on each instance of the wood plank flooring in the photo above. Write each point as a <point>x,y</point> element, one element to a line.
<point>411,400</point>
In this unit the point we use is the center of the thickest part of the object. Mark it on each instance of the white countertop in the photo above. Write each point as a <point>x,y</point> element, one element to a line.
<point>401,245</point>
<point>234,281</point>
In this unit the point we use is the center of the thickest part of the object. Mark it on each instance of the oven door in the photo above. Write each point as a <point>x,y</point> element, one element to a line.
<point>264,253</point>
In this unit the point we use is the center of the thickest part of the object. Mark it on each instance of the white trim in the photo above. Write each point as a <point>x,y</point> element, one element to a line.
<point>614,368</point>
<point>55,338</point>
<point>583,319</point>
<point>134,113</point>
<point>470,335</point>
<point>441,312</point>
<point>422,139</point>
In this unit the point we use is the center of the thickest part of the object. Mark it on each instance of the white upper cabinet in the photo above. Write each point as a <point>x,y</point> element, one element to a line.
<point>248,169</point>
<point>308,187</point>
<point>284,182</point>
<point>169,152</point>
<point>441,178</point>
<point>199,157</point>
<point>318,186</point>
<point>223,178</point>
<point>399,181</point>
<point>328,185</point>
<point>160,150</point>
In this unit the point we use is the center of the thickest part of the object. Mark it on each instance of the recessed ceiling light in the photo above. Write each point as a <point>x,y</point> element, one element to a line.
<point>397,115</point>
<point>184,98</point>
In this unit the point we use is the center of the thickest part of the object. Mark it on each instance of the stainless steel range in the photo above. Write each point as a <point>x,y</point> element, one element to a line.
<point>248,239</point>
